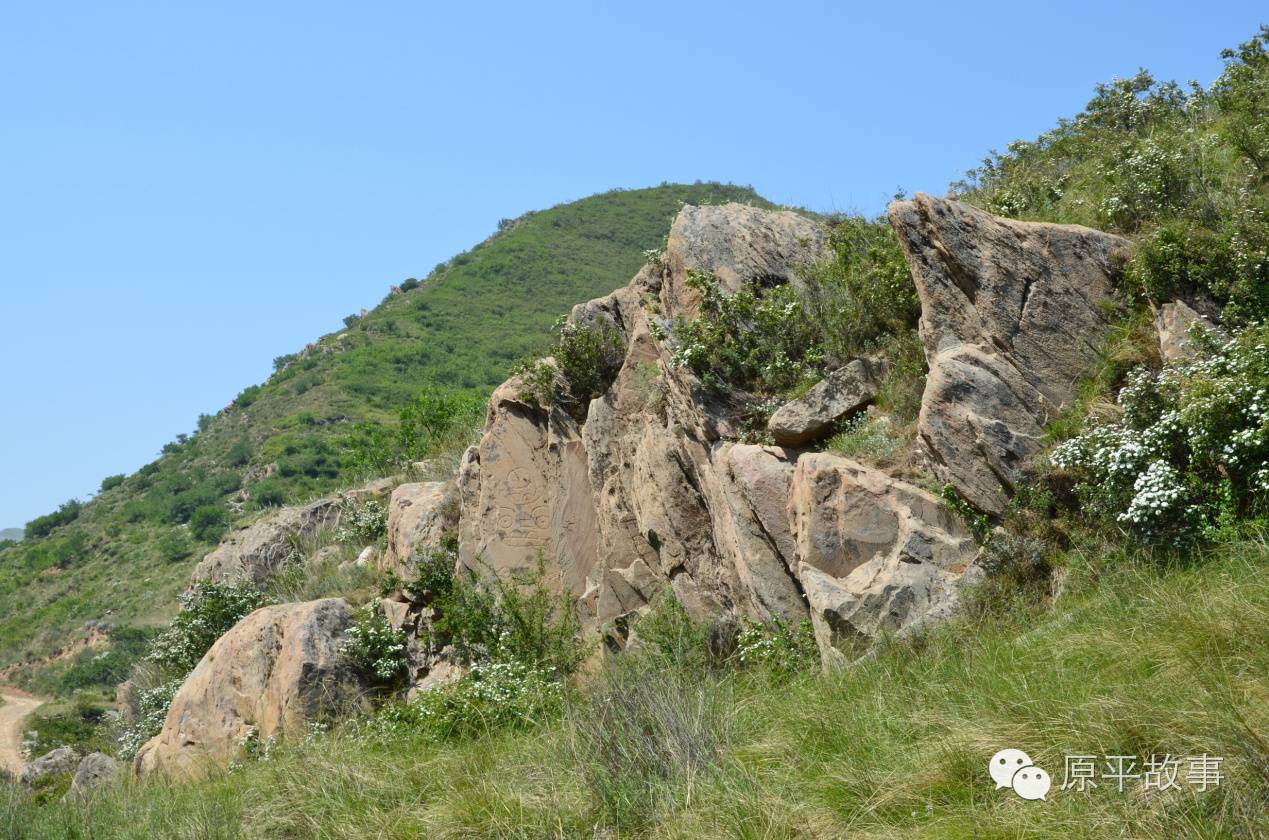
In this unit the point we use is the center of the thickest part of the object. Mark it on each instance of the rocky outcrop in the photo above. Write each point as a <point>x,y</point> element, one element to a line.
<point>837,397</point>
<point>650,492</point>
<point>277,670</point>
<point>59,761</point>
<point>737,244</point>
<point>419,518</point>
<point>253,553</point>
<point>1012,316</point>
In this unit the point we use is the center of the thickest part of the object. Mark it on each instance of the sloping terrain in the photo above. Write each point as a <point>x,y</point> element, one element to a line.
<point>124,555</point>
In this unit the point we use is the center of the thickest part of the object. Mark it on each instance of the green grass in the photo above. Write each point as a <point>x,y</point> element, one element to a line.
<point>1134,659</point>
<point>459,330</point>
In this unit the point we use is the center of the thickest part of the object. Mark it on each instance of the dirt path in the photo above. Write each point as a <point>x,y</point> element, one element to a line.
<point>17,705</point>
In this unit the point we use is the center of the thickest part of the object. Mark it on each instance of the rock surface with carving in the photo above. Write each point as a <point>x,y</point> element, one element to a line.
<point>274,672</point>
<point>877,555</point>
<point>1012,317</point>
<point>419,517</point>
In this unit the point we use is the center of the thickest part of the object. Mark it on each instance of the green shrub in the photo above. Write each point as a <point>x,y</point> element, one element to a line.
<point>268,492</point>
<point>586,358</point>
<point>863,293</point>
<point>154,704</point>
<point>173,546</point>
<point>363,524</point>
<point>248,396</point>
<point>1190,453</point>
<point>375,648</point>
<point>759,339</point>
<point>515,620</point>
<point>491,697</point>
<point>65,514</point>
<point>433,419</point>
<point>110,482</point>
<point>208,523</point>
<point>208,611</point>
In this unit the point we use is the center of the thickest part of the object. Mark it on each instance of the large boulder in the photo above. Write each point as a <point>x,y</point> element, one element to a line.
<point>876,555</point>
<point>420,516</point>
<point>276,671</point>
<point>54,763</point>
<point>253,553</point>
<point>837,397</point>
<point>737,244</point>
<point>95,770</point>
<point>1012,317</point>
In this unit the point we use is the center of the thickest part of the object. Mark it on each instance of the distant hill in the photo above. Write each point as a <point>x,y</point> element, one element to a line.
<point>457,329</point>
<point>11,534</point>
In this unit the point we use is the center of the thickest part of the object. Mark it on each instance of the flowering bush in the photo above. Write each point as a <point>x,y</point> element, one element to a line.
<point>493,695</point>
<point>152,712</point>
<point>586,359</point>
<point>374,647</point>
<point>364,524</point>
<point>207,612</point>
<point>1191,450</point>
<point>780,647</point>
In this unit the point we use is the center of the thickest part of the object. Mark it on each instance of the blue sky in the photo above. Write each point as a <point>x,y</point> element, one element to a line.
<point>189,190</point>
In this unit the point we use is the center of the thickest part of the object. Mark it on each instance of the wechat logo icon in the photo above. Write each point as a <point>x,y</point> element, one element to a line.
<point>1014,769</point>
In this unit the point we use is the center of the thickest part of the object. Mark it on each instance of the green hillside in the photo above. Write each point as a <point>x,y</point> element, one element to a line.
<point>453,334</point>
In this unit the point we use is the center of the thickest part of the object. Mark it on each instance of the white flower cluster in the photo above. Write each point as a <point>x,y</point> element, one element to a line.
<point>363,524</point>
<point>1191,447</point>
<point>373,645</point>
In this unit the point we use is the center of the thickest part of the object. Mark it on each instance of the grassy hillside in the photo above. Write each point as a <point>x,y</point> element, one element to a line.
<point>454,334</point>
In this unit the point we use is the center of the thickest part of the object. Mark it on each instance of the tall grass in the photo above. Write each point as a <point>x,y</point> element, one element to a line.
<point>1133,660</point>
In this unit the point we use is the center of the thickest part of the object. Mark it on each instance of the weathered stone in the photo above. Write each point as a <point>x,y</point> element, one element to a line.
<point>737,244</point>
<point>253,553</point>
<point>1173,322</point>
<point>1012,317</point>
<point>837,397</point>
<point>95,770</point>
<point>876,554</point>
<point>274,672</point>
<point>60,760</point>
<point>419,517</point>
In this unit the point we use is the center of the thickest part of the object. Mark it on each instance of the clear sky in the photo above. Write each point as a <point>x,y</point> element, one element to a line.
<point>189,190</point>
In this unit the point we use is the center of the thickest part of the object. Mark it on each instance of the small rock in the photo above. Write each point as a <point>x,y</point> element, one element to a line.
<point>1173,322</point>
<point>60,760</point>
<point>367,556</point>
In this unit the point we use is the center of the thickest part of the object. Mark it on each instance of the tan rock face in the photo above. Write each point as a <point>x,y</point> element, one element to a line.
<point>737,243</point>
<point>253,553</point>
<point>419,517</point>
<point>274,672</point>
<point>1012,316</point>
<point>875,554</point>
<point>839,396</point>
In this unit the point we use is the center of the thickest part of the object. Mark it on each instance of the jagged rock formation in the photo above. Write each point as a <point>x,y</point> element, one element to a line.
<point>1012,317</point>
<point>648,493</point>
<point>275,671</point>
<point>253,553</point>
